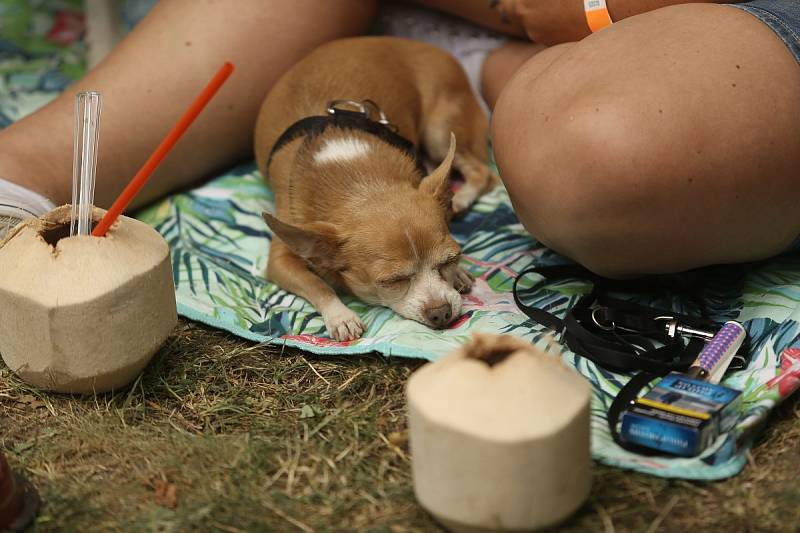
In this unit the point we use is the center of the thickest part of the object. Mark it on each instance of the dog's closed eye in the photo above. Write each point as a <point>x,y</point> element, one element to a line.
<point>395,281</point>
<point>448,262</point>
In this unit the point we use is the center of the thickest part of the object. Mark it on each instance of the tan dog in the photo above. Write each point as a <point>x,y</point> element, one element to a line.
<point>353,208</point>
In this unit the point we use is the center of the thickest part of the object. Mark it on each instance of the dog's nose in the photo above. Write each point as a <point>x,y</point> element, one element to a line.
<point>439,316</point>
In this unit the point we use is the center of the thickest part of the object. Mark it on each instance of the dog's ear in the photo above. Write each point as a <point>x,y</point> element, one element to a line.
<point>437,183</point>
<point>317,242</point>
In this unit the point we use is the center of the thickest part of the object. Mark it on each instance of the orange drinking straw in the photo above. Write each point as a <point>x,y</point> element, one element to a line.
<point>163,149</point>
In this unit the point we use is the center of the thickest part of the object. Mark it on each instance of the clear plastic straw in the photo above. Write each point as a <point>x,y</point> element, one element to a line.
<point>84,160</point>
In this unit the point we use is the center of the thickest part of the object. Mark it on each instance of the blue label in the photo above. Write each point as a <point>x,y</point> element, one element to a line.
<point>660,435</point>
<point>700,389</point>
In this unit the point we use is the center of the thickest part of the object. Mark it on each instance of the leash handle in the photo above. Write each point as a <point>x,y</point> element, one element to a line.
<point>713,360</point>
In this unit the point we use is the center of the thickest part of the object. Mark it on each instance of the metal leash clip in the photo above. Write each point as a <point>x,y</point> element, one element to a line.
<point>674,328</point>
<point>605,327</point>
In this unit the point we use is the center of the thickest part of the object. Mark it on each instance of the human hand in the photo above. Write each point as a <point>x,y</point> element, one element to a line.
<point>546,21</point>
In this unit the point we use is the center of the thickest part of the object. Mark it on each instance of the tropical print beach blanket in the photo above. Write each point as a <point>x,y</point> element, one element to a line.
<point>219,247</point>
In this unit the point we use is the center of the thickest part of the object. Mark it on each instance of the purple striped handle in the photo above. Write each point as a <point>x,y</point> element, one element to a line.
<point>719,349</point>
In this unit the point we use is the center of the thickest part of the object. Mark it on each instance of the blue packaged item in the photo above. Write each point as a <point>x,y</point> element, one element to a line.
<point>680,415</point>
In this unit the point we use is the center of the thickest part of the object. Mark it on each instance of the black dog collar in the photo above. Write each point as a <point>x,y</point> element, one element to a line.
<point>354,120</point>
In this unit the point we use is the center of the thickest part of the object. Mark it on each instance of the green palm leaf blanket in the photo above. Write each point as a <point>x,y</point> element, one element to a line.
<point>220,245</point>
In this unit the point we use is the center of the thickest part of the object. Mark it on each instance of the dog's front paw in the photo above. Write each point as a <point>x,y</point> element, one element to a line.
<point>342,324</point>
<point>464,198</point>
<point>461,201</point>
<point>463,281</point>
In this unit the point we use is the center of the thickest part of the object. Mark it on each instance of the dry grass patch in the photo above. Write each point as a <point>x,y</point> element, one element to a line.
<point>219,434</point>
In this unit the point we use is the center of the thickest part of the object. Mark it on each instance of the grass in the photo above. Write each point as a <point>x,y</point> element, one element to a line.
<point>219,434</point>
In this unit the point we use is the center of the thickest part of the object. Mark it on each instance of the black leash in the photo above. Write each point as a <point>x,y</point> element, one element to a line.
<point>623,336</point>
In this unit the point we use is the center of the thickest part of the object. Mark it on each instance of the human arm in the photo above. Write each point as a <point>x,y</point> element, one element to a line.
<point>155,72</point>
<point>546,22</point>
<point>481,12</point>
<point>552,22</point>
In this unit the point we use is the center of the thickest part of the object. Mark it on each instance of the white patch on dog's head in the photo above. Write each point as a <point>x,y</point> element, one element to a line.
<point>341,150</point>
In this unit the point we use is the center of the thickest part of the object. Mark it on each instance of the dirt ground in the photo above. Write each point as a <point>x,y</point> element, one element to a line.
<point>219,434</point>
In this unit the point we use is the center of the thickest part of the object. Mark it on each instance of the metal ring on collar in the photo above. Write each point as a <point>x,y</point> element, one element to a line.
<point>381,115</point>
<point>366,108</point>
<point>335,104</point>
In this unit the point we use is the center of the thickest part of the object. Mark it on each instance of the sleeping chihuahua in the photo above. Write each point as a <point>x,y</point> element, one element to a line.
<point>339,140</point>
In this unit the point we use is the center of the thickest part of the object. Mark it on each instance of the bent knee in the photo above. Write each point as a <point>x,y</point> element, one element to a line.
<point>629,171</point>
<point>598,183</point>
<point>586,177</point>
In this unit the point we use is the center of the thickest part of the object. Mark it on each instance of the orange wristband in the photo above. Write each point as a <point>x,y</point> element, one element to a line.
<point>597,14</point>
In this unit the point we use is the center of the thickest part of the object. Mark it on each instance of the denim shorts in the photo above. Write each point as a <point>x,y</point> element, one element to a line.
<point>783,16</point>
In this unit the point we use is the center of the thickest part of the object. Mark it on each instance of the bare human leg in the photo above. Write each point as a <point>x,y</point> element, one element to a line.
<point>156,71</point>
<point>502,63</point>
<point>668,141</point>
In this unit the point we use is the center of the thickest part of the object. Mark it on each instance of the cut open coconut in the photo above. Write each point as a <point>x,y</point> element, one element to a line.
<point>83,314</point>
<point>499,435</point>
